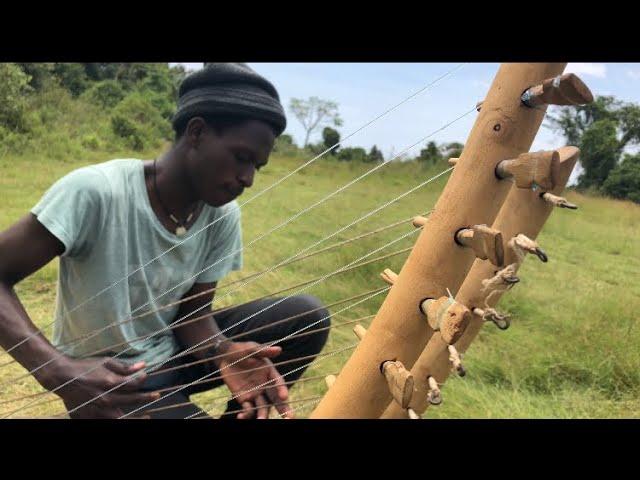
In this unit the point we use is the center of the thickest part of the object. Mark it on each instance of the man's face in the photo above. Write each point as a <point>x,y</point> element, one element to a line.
<point>222,164</point>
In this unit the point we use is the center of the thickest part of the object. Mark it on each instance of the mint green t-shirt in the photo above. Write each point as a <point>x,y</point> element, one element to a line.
<point>102,215</point>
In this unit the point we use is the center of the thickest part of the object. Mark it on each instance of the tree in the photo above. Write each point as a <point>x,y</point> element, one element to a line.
<point>431,154</point>
<point>72,76</point>
<point>602,130</point>
<point>350,154</point>
<point>330,137</point>
<point>14,85</point>
<point>598,153</point>
<point>452,150</point>
<point>624,180</point>
<point>313,113</point>
<point>375,155</point>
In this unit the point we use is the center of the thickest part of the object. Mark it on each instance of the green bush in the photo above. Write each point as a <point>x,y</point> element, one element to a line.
<point>285,146</point>
<point>624,180</point>
<point>139,123</point>
<point>107,93</point>
<point>351,154</point>
<point>14,86</point>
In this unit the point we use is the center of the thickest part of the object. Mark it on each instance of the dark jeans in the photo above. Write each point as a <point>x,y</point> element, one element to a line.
<point>303,346</point>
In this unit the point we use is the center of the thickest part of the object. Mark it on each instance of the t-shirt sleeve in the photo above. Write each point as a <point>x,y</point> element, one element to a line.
<point>73,209</point>
<point>225,248</point>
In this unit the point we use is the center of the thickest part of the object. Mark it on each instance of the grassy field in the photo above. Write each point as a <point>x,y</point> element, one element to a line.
<point>572,350</point>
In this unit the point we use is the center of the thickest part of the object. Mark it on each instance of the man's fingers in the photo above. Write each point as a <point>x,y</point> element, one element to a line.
<point>269,352</point>
<point>285,411</point>
<point>247,411</point>
<point>133,382</point>
<point>263,407</point>
<point>122,399</point>
<point>122,368</point>
<point>278,384</point>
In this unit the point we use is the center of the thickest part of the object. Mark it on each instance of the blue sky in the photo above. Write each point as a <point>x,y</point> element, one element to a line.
<point>364,90</point>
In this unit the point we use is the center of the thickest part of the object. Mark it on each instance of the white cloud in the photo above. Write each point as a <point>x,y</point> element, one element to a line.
<point>189,67</point>
<point>594,69</point>
<point>635,74</point>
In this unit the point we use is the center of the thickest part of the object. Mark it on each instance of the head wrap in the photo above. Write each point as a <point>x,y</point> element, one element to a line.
<point>229,89</point>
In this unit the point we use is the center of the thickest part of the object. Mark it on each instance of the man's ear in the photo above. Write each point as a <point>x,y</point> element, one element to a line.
<point>196,128</point>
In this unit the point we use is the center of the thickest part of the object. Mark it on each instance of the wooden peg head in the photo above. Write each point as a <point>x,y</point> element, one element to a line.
<point>419,221</point>
<point>412,414</point>
<point>389,276</point>
<point>360,331</point>
<point>453,161</point>
<point>400,382</point>
<point>434,396</point>
<point>565,89</point>
<point>447,317</point>
<point>486,243</point>
<point>558,201</point>
<point>531,170</point>
<point>330,380</point>
<point>456,360</point>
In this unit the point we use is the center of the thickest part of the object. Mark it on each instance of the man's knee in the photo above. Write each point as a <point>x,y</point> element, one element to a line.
<point>314,316</point>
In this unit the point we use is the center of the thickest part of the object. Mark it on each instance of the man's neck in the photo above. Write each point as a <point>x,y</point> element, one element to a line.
<point>172,184</point>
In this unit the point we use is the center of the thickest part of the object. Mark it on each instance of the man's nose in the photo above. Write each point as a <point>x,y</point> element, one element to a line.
<point>246,176</point>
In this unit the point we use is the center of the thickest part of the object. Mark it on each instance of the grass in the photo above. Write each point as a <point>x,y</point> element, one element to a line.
<point>571,351</point>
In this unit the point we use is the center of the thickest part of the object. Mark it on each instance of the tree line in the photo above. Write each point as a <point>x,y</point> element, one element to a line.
<point>65,109</point>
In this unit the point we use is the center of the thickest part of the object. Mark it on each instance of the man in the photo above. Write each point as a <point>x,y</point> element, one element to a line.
<point>106,221</point>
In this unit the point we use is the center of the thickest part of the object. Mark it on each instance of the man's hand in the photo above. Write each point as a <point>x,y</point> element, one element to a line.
<point>90,385</point>
<point>243,377</point>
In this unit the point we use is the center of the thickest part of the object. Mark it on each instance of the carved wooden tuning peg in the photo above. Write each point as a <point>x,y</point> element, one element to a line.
<point>486,243</point>
<point>456,360</point>
<point>531,170</point>
<point>330,380</point>
<point>434,395</point>
<point>565,89</point>
<point>389,276</point>
<point>419,221</point>
<point>399,380</point>
<point>446,316</point>
<point>360,331</point>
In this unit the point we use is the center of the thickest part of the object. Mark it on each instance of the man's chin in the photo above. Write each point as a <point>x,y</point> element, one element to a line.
<point>222,199</point>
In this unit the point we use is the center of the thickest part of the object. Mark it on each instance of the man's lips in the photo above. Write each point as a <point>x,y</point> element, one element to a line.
<point>236,192</point>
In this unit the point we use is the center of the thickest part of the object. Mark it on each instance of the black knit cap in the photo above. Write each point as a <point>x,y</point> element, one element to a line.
<point>231,89</point>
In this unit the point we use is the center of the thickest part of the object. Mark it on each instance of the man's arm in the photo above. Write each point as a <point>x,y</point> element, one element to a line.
<point>245,367</point>
<point>25,248</point>
<point>204,330</point>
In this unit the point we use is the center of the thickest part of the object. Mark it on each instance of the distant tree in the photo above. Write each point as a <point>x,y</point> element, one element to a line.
<point>375,155</point>
<point>602,130</point>
<point>40,73</point>
<point>107,93</point>
<point>353,154</point>
<point>452,150</point>
<point>330,137</point>
<point>598,153</point>
<point>72,76</point>
<point>431,154</point>
<point>313,113</point>
<point>285,145</point>
<point>624,180</point>
<point>14,85</point>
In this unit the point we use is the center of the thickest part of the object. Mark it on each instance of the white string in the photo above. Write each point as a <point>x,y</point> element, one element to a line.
<point>132,377</point>
<point>340,350</point>
<point>264,347</point>
<point>55,357</point>
<point>426,87</point>
<point>209,303</point>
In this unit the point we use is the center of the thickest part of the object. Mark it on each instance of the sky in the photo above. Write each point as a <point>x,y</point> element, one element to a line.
<point>365,90</point>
